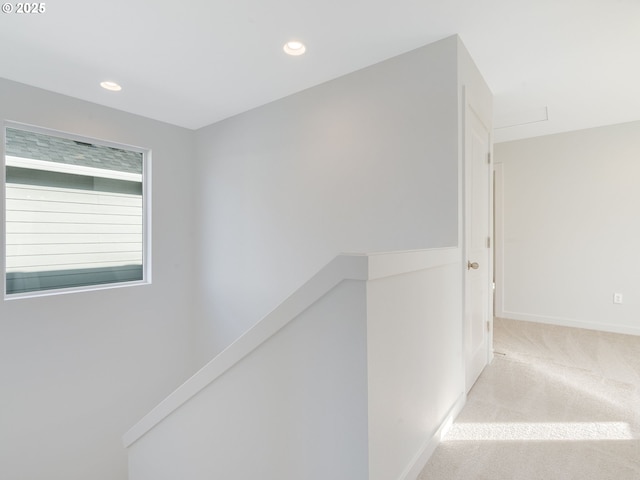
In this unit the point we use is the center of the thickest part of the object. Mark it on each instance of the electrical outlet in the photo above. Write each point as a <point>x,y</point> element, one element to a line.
<point>617,298</point>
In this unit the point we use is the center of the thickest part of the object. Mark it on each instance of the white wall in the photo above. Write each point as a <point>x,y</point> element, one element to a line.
<point>416,368</point>
<point>366,162</point>
<point>571,224</point>
<point>293,408</point>
<point>77,370</point>
<point>346,379</point>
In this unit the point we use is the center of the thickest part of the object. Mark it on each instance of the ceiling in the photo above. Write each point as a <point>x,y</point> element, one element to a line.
<point>553,65</point>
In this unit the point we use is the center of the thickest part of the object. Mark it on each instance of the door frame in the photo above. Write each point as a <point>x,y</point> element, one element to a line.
<point>498,244</point>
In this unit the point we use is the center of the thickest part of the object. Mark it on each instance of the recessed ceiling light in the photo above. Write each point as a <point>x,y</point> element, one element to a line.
<point>294,48</point>
<point>112,86</point>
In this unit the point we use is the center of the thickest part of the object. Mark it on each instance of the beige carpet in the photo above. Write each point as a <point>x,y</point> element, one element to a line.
<point>556,403</point>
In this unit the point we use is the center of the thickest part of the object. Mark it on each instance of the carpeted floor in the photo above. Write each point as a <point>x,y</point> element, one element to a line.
<point>557,403</point>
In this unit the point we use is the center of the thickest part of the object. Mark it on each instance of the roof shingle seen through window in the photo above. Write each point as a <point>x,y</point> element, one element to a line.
<point>37,146</point>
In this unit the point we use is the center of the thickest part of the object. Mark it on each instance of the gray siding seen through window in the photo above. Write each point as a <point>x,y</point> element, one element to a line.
<point>70,221</point>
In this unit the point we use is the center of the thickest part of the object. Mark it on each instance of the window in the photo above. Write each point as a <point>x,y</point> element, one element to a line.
<point>75,215</point>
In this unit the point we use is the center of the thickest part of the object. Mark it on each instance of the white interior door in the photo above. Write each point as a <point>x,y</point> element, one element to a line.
<point>477,246</point>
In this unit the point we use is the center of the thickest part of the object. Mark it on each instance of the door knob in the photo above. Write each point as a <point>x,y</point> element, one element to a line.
<point>473,265</point>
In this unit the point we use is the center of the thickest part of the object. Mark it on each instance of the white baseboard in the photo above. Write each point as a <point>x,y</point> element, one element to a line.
<point>422,456</point>
<point>569,322</point>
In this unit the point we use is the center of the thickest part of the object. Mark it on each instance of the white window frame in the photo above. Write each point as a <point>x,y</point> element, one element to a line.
<point>146,205</point>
